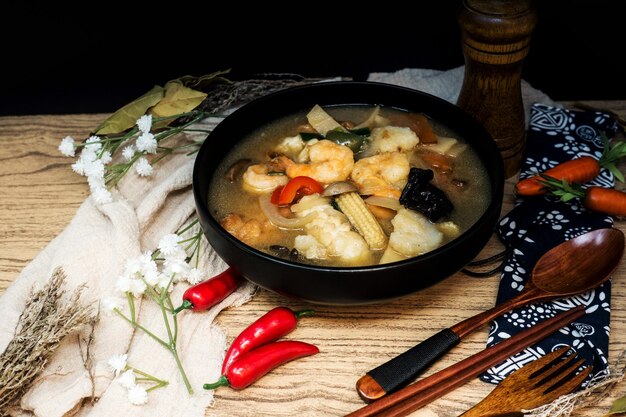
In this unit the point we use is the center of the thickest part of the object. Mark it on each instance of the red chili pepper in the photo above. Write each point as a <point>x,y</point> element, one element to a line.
<point>271,326</point>
<point>296,186</point>
<point>210,292</point>
<point>258,362</point>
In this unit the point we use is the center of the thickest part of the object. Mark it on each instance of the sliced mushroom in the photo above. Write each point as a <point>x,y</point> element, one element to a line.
<point>337,188</point>
<point>237,169</point>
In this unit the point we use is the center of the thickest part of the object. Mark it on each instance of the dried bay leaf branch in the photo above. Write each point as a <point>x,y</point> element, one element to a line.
<point>202,82</point>
<point>177,99</point>
<point>127,116</point>
<point>43,324</point>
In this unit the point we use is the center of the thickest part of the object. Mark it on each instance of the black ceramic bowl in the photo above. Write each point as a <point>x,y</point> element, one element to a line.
<point>334,285</point>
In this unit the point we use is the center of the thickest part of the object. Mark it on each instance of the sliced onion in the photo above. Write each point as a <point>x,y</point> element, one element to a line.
<point>274,216</point>
<point>337,188</point>
<point>386,202</point>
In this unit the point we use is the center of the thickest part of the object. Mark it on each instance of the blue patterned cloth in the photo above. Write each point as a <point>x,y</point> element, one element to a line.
<point>536,225</point>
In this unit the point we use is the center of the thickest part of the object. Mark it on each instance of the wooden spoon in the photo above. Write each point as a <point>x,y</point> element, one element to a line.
<point>573,267</point>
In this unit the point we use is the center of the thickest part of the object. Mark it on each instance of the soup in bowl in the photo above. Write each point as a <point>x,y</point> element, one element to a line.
<point>345,193</point>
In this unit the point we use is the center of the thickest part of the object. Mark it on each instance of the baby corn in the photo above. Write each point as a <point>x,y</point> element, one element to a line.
<point>355,209</point>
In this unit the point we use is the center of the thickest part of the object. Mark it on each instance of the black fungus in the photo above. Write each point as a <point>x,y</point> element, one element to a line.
<point>280,251</point>
<point>420,195</point>
<point>285,253</point>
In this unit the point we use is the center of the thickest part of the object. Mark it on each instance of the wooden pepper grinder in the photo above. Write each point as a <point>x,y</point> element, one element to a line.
<point>496,38</point>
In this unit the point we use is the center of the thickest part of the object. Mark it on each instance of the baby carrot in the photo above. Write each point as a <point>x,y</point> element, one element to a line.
<point>600,199</point>
<point>580,170</point>
<point>605,200</point>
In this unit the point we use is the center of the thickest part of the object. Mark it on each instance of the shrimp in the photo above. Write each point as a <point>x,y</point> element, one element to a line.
<point>328,162</point>
<point>392,139</point>
<point>253,232</point>
<point>329,234</point>
<point>383,175</point>
<point>257,179</point>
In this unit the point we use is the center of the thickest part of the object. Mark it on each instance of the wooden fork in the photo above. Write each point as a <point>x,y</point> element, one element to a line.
<point>535,384</point>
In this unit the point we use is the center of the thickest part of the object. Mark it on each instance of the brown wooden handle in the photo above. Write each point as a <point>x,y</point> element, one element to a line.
<point>467,326</point>
<point>429,389</point>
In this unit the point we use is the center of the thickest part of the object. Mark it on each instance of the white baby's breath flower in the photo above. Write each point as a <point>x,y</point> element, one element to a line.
<point>151,277</point>
<point>95,169</point>
<point>144,123</point>
<point>117,363</point>
<point>143,167</point>
<point>195,276</point>
<point>89,154</point>
<point>146,142</point>
<point>169,244</point>
<point>127,379</point>
<point>129,152</point>
<point>133,266</point>
<point>123,284</point>
<point>93,143</point>
<point>79,166</point>
<point>137,287</point>
<point>67,146</point>
<point>106,157</point>
<point>176,267</point>
<point>109,304</point>
<point>138,395</point>
<point>101,195</point>
<point>95,182</point>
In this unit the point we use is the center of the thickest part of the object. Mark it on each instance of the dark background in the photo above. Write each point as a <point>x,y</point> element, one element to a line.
<point>99,62</point>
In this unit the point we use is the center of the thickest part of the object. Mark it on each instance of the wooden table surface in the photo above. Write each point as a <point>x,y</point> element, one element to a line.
<point>40,194</point>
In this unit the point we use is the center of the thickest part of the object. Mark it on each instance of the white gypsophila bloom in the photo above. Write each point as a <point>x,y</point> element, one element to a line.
<point>144,123</point>
<point>79,166</point>
<point>178,254</point>
<point>95,169</point>
<point>178,267</point>
<point>146,142</point>
<point>195,276</point>
<point>137,287</point>
<point>127,379</point>
<point>138,395</point>
<point>128,152</point>
<point>106,157</point>
<point>109,304</point>
<point>133,266</point>
<point>67,146</point>
<point>117,363</point>
<point>151,277</point>
<point>101,195</point>
<point>169,244</point>
<point>143,167</point>
<point>123,284</point>
<point>95,182</point>
<point>89,155</point>
<point>93,143</point>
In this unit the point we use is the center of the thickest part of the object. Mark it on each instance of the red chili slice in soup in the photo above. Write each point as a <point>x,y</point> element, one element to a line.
<point>297,186</point>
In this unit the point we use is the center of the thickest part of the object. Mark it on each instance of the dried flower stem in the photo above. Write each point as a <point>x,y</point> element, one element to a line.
<point>45,321</point>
